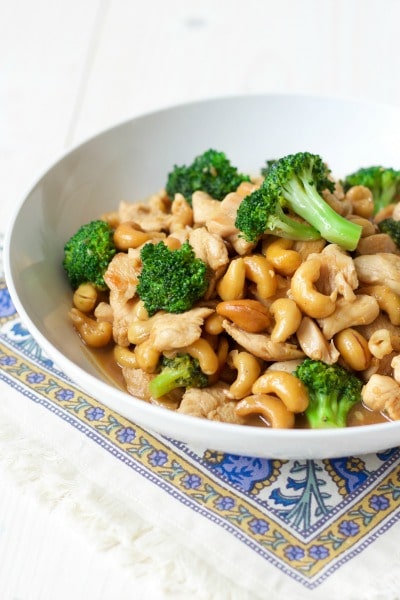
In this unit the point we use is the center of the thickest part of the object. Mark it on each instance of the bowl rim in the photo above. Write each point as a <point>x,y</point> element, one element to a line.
<point>76,372</point>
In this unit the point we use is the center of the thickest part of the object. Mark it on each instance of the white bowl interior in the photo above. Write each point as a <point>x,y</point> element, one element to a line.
<point>131,161</point>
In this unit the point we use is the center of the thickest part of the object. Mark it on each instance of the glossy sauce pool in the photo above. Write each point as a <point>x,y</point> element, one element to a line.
<point>104,361</point>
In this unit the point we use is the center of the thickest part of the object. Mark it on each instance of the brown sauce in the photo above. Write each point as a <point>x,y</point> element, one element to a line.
<point>104,361</point>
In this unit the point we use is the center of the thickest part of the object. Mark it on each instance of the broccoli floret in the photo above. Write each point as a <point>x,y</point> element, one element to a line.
<point>295,182</point>
<point>171,280</point>
<point>392,228</point>
<point>333,391</point>
<point>268,166</point>
<point>384,183</point>
<point>88,253</point>
<point>180,371</point>
<point>262,212</point>
<point>210,172</point>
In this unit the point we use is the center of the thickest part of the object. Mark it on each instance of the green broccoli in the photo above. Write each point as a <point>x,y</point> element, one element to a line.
<point>210,172</point>
<point>268,166</point>
<point>333,391</point>
<point>392,228</point>
<point>171,280</point>
<point>88,253</point>
<point>384,183</point>
<point>295,182</point>
<point>180,371</point>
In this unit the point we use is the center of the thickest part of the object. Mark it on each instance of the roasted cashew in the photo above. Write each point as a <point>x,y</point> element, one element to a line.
<point>259,270</point>
<point>232,283</point>
<point>289,388</point>
<point>388,300</point>
<point>284,260</point>
<point>307,297</point>
<point>94,333</point>
<point>248,369</point>
<point>125,357</point>
<point>85,297</point>
<point>127,235</point>
<point>361,200</point>
<point>147,356</point>
<point>272,409</point>
<point>353,348</point>
<point>287,317</point>
<point>248,314</point>
<point>201,350</point>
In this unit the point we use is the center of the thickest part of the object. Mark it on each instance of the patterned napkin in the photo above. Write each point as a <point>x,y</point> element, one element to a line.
<point>305,526</point>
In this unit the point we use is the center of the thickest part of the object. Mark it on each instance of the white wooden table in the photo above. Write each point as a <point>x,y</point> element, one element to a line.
<point>70,69</point>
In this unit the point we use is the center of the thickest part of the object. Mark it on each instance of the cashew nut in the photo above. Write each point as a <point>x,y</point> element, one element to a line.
<point>287,317</point>
<point>127,235</point>
<point>125,357</point>
<point>307,297</point>
<point>94,333</point>
<point>259,270</point>
<point>248,369</point>
<point>147,356</point>
<point>85,297</point>
<point>202,350</point>
<point>272,409</point>
<point>353,348</point>
<point>289,388</point>
<point>361,200</point>
<point>248,314</point>
<point>231,285</point>
<point>388,300</point>
<point>284,260</point>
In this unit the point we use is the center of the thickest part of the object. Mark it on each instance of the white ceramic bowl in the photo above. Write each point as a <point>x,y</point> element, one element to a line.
<point>130,161</point>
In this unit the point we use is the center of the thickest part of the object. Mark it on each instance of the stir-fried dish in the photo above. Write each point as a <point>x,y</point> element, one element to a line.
<point>271,299</point>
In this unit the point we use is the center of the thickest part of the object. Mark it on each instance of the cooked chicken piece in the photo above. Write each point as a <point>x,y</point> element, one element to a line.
<point>362,311</point>
<point>204,207</point>
<point>212,403</point>
<point>123,315</point>
<point>382,268</point>
<point>103,312</point>
<point>314,344</point>
<point>261,345</point>
<point>122,273</point>
<point>210,248</point>
<point>378,242</point>
<point>223,223</point>
<point>137,382</point>
<point>337,274</point>
<point>173,331</point>
<point>223,220</point>
<point>149,216</point>
<point>382,393</point>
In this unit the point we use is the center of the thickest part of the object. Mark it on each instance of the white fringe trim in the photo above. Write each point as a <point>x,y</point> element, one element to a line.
<point>109,524</point>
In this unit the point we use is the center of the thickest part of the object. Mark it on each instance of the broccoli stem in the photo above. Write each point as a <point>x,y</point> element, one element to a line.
<point>166,381</point>
<point>289,228</point>
<point>326,411</point>
<point>332,226</point>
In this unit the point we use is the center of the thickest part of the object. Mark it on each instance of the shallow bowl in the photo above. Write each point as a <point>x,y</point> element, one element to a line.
<point>130,162</point>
